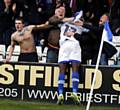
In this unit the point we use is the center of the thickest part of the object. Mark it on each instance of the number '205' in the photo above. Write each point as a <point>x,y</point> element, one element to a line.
<point>8,92</point>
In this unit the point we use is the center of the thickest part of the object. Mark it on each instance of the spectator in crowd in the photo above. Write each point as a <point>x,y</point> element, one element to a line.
<point>53,41</point>
<point>22,9</point>
<point>108,50</point>
<point>54,35</point>
<point>94,9</point>
<point>25,38</point>
<point>49,6</point>
<point>41,10</point>
<point>115,17</point>
<point>7,11</point>
<point>76,5</point>
<point>64,3</point>
<point>28,9</point>
<point>87,42</point>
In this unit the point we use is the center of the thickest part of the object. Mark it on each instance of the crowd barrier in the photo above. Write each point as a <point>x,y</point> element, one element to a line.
<point>38,81</point>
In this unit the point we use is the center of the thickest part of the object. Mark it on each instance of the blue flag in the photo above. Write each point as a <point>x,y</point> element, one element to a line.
<point>108,31</point>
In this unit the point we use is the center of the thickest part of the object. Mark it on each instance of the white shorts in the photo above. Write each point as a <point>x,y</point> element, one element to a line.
<point>69,51</point>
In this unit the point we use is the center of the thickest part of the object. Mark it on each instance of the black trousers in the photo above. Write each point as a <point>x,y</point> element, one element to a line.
<point>28,57</point>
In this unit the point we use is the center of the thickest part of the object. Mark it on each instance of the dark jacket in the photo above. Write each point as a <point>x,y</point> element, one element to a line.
<point>87,44</point>
<point>115,16</point>
<point>108,49</point>
<point>90,43</point>
<point>6,18</point>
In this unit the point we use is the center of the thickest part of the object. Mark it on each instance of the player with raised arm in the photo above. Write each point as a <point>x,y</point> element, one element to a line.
<point>69,52</point>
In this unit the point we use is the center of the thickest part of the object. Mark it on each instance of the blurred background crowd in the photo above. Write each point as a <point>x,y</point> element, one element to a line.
<point>39,11</point>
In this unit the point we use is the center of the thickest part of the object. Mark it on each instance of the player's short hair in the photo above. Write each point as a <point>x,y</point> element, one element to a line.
<point>20,19</point>
<point>54,20</point>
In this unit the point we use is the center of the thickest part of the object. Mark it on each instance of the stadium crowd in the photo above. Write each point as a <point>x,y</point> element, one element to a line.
<point>70,29</point>
<point>36,12</point>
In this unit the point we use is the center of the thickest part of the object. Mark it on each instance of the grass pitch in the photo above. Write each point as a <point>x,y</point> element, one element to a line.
<point>6,104</point>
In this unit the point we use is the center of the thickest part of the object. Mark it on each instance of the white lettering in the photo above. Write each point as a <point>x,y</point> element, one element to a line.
<point>113,98</point>
<point>42,94</point>
<point>98,98</point>
<point>106,97</point>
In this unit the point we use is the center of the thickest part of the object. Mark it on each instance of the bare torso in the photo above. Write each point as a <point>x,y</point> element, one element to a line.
<point>25,39</point>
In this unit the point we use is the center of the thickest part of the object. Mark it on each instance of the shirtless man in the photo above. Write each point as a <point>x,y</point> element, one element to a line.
<point>24,37</point>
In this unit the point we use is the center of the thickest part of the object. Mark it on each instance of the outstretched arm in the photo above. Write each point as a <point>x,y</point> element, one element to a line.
<point>42,27</point>
<point>10,51</point>
<point>68,19</point>
<point>39,27</point>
